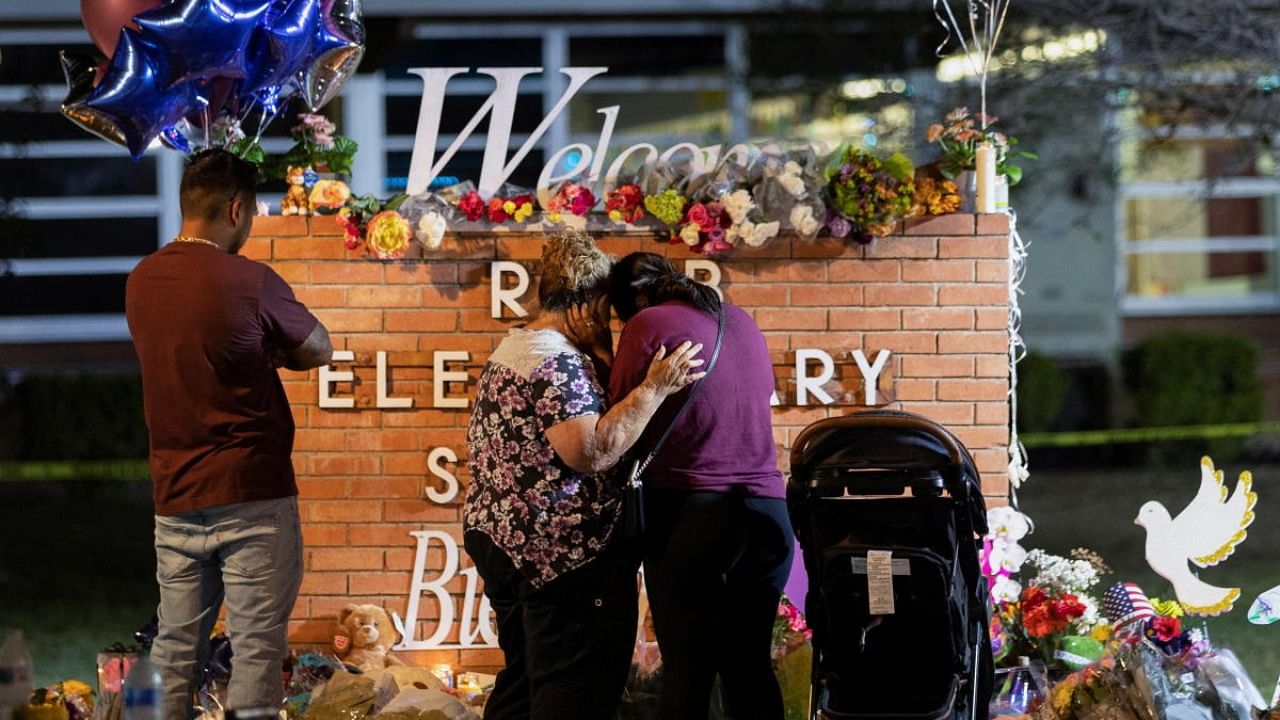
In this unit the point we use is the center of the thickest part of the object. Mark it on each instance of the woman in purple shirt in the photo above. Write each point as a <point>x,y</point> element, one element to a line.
<point>718,543</point>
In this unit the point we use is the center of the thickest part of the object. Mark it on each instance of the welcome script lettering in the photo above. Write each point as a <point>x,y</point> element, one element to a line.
<point>509,282</point>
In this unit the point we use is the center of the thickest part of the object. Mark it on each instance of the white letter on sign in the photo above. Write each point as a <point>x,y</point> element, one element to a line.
<point>694,268</point>
<point>329,376</point>
<point>805,384</point>
<point>499,296</point>
<point>435,465</point>
<point>501,109</point>
<point>408,627</point>
<point>442,376</point>
<point>870,373</point>
<point>385,400</point>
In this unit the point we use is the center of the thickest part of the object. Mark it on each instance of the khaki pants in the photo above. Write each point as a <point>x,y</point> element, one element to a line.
<point>248,555</point>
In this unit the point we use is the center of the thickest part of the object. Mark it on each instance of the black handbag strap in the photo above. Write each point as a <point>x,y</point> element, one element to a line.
<point>638,469</point>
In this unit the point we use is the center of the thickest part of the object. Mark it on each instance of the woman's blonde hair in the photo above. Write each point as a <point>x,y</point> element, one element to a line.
<point>574,270</point>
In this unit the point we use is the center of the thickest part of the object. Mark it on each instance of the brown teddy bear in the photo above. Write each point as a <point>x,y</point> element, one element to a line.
<point>364,638</point>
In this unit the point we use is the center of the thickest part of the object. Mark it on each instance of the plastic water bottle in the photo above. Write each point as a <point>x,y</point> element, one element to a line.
<point>15,673</point>
<point>144,691</point>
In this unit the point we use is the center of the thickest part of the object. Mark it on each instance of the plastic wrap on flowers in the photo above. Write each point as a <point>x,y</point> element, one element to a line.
<point>346,696</point>
<point>867,194</point>
<point>429,215</point>
<point>512,204</point>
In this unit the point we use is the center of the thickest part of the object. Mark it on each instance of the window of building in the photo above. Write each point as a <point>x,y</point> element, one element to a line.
<point>1199,227</point>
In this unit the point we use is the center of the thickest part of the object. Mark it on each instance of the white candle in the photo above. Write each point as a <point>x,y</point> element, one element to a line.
<point>986,178</point>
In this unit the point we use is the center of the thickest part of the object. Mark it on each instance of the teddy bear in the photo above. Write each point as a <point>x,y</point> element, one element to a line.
<point>295,200</point>
<point>364,638</point>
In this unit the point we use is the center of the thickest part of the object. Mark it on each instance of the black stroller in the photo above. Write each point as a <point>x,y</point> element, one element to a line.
<point>896,601</point>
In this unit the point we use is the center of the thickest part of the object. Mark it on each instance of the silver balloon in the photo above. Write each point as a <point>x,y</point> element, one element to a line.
<point>338,50</point>
<point>81,71</point>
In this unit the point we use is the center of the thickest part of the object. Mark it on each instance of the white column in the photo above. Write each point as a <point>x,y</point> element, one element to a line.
<point>737,66</point>
<point>555,55</point>
<point>364,119</point>
<point>168,184</point>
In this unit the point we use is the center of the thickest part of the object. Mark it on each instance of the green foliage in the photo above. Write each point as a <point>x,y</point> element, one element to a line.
<point>81,417</point>
<point>1042,389</point>
<point>1186,379</point>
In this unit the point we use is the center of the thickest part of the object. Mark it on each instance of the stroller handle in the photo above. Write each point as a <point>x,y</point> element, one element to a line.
<point>883,419</point>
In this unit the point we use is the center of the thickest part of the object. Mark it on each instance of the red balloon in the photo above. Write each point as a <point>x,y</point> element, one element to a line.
<point>105,18</point>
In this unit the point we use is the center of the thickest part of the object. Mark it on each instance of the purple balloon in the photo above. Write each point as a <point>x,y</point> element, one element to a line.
<point>203,39</point>
<point>135,96</point>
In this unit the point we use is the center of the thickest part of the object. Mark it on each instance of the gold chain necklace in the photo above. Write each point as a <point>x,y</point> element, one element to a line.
<point>193,239</point>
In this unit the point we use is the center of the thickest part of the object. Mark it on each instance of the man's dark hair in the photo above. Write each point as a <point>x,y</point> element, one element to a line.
<point>652,278</point>
<point>211,179</point>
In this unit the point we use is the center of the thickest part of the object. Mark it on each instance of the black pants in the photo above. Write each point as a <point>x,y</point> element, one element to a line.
<point>715,565</point>
<point>567,645</point>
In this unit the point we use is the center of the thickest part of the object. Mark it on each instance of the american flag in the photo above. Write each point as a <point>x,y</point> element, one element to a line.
<point>1127,607</point>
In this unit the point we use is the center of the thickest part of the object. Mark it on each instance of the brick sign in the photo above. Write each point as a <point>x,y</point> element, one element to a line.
<point>929,304</point>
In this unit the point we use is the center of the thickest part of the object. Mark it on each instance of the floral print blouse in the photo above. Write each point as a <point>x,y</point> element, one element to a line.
<point>548,518</point>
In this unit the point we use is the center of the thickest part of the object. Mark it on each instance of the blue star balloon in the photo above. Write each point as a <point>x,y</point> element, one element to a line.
<point>281,50</point>
<point>134,95</point>
<point>203,39</point>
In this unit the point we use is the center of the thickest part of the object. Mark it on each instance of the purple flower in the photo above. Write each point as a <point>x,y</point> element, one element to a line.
<point>715,235</point>
<point>839,226</point>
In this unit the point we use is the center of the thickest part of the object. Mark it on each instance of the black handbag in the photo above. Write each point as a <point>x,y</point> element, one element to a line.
<point>633,489</point>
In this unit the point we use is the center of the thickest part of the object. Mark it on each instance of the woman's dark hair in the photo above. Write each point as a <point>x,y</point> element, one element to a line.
<point>211,180</point>
<point>642,280</point>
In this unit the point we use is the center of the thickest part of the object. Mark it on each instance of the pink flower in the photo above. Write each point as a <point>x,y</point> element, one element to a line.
<point>698,215</point>
<point>582,202</point>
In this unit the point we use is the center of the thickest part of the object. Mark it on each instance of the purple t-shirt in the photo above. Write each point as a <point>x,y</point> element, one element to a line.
<point>724,442</point>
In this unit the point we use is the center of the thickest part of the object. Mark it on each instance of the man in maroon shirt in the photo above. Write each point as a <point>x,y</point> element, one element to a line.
<point>210,328</point>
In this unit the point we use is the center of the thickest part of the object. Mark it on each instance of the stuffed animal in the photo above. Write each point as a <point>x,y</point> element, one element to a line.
<point>364,638</point>
<point>295,200</point>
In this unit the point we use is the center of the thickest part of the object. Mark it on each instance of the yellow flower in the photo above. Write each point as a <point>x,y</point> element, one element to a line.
<point>553,217</point>
<point>615,215</point>
<point>388,235</point>
<point>509,207</point>
<point>1101,633</point>
<point>75,687</point>
<point>689,234</point>
<point>521,213</point>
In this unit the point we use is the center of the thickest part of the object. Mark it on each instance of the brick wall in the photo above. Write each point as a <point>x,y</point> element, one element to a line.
<point>934,294</point>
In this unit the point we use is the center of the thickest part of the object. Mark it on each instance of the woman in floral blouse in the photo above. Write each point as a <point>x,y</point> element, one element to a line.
<point>541,515</point>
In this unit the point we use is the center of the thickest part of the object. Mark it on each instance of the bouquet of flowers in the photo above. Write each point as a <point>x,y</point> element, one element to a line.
<point>625,203</point>
<point>67,700</point>
<point>1053,616</point>
<point>958,138</point>
<point>867,195</point>
<point>792,658</point>
<point>571,198</point>
<point>376,224</point>
<point>316,145</point>
<point>667,207</point>
<point>935,197</point>
<point>517,208</point>
<point>704,228</point>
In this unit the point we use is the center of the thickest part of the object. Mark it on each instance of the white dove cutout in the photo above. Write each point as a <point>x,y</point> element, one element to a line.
<point>1206,532</point>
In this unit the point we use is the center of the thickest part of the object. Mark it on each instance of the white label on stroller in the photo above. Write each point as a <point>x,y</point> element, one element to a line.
<point>901,566</point>
<point>880,581</point>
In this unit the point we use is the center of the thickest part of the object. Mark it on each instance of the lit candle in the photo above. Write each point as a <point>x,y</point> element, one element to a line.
<point>986,178</point>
